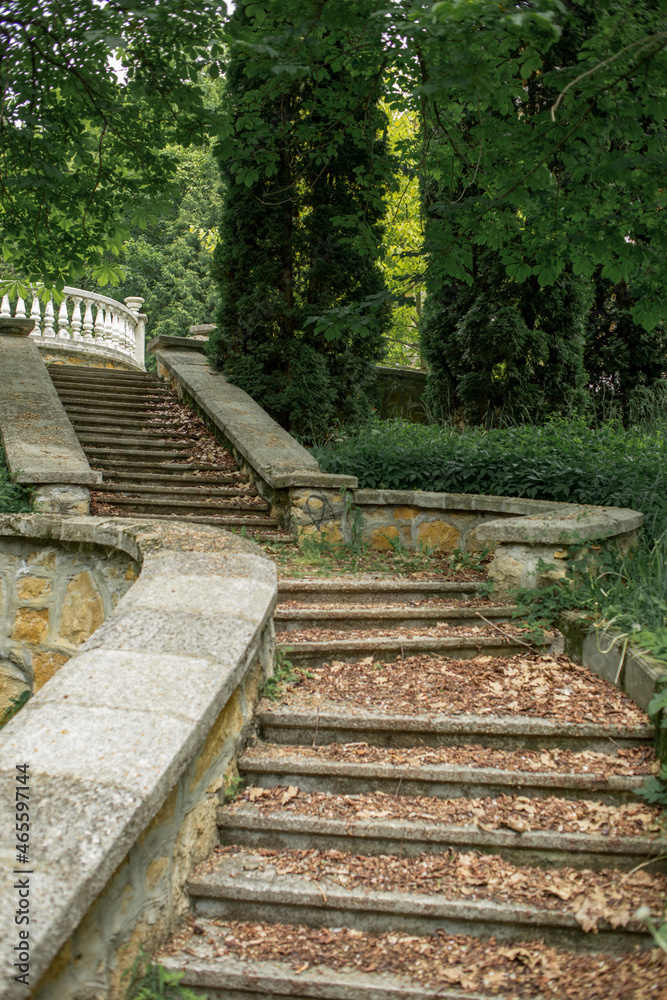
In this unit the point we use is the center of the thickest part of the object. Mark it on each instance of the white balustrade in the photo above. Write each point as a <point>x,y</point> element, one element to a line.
<point>86,322</point>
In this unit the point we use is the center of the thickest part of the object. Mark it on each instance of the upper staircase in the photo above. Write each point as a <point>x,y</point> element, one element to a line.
<point>157,458</point>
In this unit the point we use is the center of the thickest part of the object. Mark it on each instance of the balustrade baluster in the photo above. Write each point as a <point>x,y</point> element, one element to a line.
<point>76,317</point>
<point>48,320</point>
<point>36,314</point>
<point>63,321</point>
<point>5,311</point>
<point>88,322</point>
<point>108,328</point>
<point>99,324</point>
<point>19,312</point>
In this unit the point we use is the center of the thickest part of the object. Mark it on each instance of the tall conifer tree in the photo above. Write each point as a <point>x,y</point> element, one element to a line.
<point>302,296</point>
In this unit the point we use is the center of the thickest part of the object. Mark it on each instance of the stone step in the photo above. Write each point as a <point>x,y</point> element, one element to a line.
<point>375,591</point>
<point>267,766</point>
<point>130,393</point>
<point>111,374</point>
<point>235,979</point>
<point>131,411</point>
<point>167,490</point>
<point>248,886</point>
<point>221,520</point>
<point>111,422</point>
<point>131,430</point>
<point>351,618</point>
<point>116,454</point>
<point>287,724</point>
<point>148,441</point>
<point>387,649</point>
<point>122,403</point>
<point>249,961</point>
<point>163,470</point>
<point>342,828</point>
<point>164,505</point>
<point>166,476</point>
<point>89,385</point>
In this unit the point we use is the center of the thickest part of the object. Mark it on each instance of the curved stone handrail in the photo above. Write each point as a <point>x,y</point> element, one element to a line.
<point>150,708</point>
<point>85,322</point>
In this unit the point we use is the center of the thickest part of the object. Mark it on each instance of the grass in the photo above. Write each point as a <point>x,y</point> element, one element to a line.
<point>317,556</point>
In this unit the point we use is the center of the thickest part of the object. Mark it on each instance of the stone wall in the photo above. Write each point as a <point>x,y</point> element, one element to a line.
<point>128,747</point>
<point>401,391</point>
<point>53,595</point>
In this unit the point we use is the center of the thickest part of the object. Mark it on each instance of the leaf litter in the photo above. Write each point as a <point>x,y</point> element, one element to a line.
<point>510,812</point>
<point>539,685</point>
<point>591,897</point>
<point>524,971</point>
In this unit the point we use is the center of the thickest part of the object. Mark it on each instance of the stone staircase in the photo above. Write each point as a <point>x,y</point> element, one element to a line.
<point>431,808</point>
<point>132,428</point>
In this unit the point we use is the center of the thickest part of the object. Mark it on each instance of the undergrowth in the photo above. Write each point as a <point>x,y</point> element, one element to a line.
<point>14,498</point>
<point>563,460</point>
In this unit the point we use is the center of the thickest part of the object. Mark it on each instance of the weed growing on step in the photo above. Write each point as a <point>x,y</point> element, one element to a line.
<point>232,787</point>
<point>149,981</point>
<point>284,674</point>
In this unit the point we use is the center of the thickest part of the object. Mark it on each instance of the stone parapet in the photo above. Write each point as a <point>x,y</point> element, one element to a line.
<point>127,747</point>
<point>39,440</point>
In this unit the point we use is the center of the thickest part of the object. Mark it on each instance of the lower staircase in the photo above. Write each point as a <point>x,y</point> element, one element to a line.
<point>431,807</point>
<point>156,456</point>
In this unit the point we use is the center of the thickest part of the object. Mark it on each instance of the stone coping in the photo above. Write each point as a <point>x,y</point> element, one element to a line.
<point>164,343</point>
<point>608,654</point>
<point>40,443</point>
<point>267,448</point>
<point>108,737</point>
<point>85,353</point>
<point>542,521</point>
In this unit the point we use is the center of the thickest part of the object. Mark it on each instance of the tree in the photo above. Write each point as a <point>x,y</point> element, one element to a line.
<point>83,139</point>
<point>502,350</point>
<point>303,302</point>
<point>544,149</point>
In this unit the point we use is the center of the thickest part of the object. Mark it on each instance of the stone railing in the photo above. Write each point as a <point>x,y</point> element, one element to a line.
<point>84,323</point>
<point>128,746</point>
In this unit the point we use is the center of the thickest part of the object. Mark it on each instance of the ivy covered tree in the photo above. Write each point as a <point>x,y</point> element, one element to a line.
<point>303,300</point>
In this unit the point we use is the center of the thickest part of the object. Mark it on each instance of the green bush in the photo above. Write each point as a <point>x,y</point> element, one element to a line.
<point>563,460</point>
<point>13,497</point>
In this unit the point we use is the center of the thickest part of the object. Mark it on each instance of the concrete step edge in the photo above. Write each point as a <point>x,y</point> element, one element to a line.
<point>441,773</point>
<point>381,613</point>
<point>443,834</point>
<point>271,979</point>
<point>296,891</point>
<point>468,724</point>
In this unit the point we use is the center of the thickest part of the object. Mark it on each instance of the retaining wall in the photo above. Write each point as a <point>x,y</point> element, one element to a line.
<point>127,748</point>
<point>52,598</point>
<point>522,533</point>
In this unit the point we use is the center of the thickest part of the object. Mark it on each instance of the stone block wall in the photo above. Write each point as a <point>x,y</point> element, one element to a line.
<point>52,598</point>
